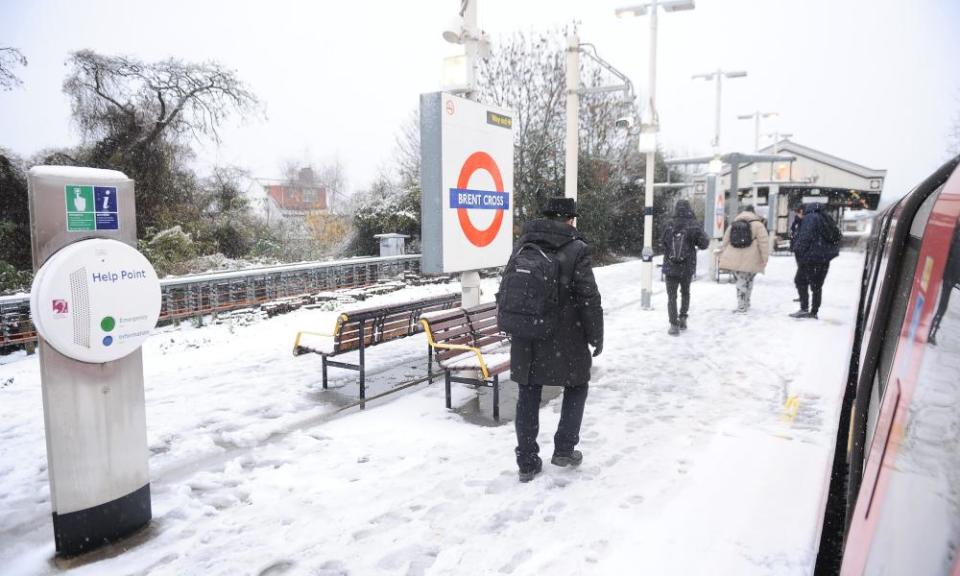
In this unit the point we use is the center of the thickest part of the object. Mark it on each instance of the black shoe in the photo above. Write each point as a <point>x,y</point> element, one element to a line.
<point>800,314</point>
<point>812,316</point>
<point>674,330</point>
<point>526,476</point>
<point>564,459</point>
<point>682,323</point>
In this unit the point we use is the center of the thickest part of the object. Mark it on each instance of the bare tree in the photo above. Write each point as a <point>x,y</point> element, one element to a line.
<point>333,179</point>
<point>113,95</point>
<point>10,58</point>
<point>527,75</point>
<point>140,118</point>
<point>408,151</point>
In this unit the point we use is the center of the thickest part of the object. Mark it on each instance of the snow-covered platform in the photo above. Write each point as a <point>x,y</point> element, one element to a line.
<point>704,454</point>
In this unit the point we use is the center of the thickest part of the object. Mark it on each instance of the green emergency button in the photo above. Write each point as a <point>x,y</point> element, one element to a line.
<point>108,323</point>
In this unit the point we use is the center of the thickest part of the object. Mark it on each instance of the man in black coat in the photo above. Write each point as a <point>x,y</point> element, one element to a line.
<point>816,243</point>
<point>678,269</point>
<point>564,359</point>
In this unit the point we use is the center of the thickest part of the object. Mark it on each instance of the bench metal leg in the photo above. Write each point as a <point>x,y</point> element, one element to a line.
<point>429,364</point>
<point>449,402</point>
<point>324,372</point>
<point>496,397</point>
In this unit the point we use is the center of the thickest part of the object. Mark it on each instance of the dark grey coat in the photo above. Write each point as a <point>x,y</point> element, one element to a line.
<point>563,360</point>
<point>818,238</point>
<point>683,218</point>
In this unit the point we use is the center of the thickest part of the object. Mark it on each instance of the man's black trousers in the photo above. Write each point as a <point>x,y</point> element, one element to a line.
<point>528,423</point>
<point>682,282</point>
<point>809,278</point>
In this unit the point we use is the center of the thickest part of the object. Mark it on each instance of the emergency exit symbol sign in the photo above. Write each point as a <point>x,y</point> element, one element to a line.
<point>91,208</point>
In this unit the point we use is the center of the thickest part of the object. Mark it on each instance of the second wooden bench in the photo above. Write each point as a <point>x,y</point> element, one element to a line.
<point>469,347</point>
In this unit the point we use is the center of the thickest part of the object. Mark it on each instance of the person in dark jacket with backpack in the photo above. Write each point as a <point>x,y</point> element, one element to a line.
<point>680,239</point>
<point>562,358</point>
<point>816,243</point>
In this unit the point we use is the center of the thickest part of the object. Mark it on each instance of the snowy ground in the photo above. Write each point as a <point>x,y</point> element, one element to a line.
<point>704,454</point>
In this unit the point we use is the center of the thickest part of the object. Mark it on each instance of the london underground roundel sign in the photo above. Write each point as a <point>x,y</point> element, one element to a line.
<point>95,300</point>
<point>497,200</point>
<point>467,184</point>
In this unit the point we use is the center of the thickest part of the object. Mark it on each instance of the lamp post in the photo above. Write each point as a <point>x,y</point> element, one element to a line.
<point>719,75</point>
<point>574,90</point>
<point>573,119</point>
<point>649,129</point>
<point>755,116</point>
<point>777,135</point>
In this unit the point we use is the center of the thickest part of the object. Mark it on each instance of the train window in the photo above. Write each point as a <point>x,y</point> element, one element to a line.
<point>919,223</point>
<point>873,409</point>
<point>904,284</point>
<point>875,247</point>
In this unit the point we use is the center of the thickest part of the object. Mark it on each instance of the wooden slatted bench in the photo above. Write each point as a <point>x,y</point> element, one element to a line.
<point>469,347</point>
<point>357,330</point>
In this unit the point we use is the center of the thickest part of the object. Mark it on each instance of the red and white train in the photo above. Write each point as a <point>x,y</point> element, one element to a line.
<point>894,499</point>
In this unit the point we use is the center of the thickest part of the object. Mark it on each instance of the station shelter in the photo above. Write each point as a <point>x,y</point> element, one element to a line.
<point>777,188</point>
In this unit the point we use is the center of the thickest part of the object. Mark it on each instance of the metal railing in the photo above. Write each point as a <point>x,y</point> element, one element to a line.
<point>210,293</point>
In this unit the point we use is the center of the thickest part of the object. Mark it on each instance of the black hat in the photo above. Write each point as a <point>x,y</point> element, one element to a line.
<point>560,207</point>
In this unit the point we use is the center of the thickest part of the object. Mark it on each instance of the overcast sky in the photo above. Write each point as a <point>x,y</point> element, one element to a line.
<point>873,81</point>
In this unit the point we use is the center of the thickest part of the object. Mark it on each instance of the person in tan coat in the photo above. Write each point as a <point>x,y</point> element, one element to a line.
<point>745,253</point>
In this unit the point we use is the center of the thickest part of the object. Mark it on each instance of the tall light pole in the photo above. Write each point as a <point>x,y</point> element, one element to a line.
<point>777,135</point>
<point>574,90</point>
<point>756,116</point>
<point>719,75</point>
<point>573,116</point>
<point>649,129</point>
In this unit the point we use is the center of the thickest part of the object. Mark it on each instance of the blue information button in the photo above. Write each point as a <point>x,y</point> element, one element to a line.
<point>105,198</point>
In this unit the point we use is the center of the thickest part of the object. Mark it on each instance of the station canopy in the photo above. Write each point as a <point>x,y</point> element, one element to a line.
<point>812,173</point>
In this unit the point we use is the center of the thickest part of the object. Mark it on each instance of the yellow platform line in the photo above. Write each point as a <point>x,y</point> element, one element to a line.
<point>790,409</point>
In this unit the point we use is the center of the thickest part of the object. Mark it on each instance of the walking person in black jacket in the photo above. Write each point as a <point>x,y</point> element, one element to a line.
<point>680,239</point>
<point>563,359</point>
<point>816,243</point>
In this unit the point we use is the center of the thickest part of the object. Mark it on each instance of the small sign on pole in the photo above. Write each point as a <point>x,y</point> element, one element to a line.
<point>466,183</point>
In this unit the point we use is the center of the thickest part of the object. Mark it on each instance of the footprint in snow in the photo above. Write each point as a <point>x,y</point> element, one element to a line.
<point>331,568</point>
<point>505,481</point>
<point>517,559</point>
<point>416,557</point>
<point>277,568</point>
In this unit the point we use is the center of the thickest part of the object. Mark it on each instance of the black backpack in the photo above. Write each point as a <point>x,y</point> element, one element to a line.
<point>741,236</point>
<point>679,248</point>
<point>529,300</point>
